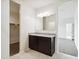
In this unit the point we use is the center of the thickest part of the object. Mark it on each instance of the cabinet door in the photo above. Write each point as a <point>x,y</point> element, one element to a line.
<point>44,45</point>
<point>33,42</point>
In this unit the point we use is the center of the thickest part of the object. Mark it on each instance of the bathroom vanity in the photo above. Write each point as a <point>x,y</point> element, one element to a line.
<point>44,43</point>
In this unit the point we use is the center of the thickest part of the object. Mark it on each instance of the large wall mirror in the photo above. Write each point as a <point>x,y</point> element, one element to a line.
<point>47,18</point>
<point>49,23</point>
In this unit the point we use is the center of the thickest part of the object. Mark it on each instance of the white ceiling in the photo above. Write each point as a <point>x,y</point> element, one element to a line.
<point>36,3</point>
<point>40,3</point>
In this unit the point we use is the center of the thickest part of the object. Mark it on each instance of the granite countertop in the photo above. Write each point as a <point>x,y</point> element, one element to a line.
<point>43,34</point>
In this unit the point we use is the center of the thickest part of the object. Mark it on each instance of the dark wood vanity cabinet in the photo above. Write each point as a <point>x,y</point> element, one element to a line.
<point>42,44</point>
<point>33,42</point>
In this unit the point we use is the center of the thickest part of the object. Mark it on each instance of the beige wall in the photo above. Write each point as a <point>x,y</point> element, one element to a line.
<point>65,16</point>
<point>50,9</point>
<point>27,24</point>
<point>4,29</point>
<point>76,22</point>
<point>39,24</point>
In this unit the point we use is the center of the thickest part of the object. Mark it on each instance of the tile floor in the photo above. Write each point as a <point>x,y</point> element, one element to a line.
<point>31,54</point>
